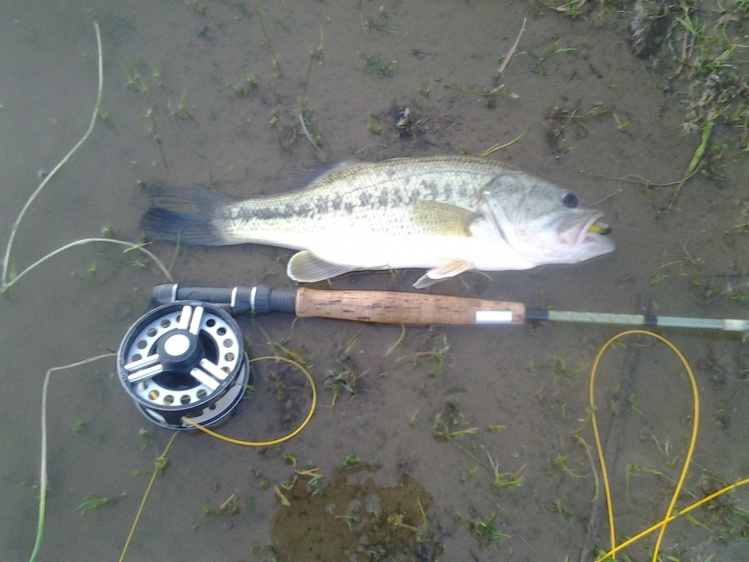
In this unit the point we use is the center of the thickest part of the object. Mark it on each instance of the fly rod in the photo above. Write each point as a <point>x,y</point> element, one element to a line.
<point>394,307</point>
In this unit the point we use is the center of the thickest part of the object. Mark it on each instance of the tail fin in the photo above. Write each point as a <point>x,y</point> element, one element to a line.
<point>185,215</point>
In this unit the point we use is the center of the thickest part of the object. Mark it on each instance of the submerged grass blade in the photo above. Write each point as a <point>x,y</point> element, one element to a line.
<point>707,129</point>
<point>94,115</point>
<point>43,478</point>
<point>129,245</point>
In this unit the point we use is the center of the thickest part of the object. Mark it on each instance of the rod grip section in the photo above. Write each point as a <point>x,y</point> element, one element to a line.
<point>390,307</point>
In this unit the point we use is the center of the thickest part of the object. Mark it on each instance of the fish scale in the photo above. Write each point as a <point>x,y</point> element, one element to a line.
<point>371,186</point>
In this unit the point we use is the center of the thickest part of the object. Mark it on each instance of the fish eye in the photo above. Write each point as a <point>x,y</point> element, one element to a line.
<point>569,200</point>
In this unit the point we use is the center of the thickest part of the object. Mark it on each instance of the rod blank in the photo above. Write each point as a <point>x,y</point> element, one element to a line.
<point>726,324</point>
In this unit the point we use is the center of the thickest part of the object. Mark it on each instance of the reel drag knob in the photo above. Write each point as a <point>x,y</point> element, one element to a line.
<point>184,359</point>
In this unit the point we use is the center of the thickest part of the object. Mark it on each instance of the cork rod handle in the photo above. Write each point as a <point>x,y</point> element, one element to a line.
<point>391,307</point>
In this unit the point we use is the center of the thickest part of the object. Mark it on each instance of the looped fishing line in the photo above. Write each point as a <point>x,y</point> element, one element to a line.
<point>233,441</point>
<point>688,459</point>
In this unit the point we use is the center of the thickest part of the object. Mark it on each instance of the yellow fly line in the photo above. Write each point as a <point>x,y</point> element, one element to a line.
<point>670,514</point>
<point>233,441</point>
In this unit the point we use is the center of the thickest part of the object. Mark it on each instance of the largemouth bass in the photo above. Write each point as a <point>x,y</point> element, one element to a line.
<point>448,214</point>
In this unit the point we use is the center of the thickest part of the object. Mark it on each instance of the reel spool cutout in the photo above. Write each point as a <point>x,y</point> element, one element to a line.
<point>184,359</point>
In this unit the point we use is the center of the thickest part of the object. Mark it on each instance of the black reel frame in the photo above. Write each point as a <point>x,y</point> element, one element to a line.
<point>181,360</point>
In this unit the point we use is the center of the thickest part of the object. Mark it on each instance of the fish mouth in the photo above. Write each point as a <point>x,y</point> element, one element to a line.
<point>596,226</point>
<point>592,238</point>
<point>591,232</point>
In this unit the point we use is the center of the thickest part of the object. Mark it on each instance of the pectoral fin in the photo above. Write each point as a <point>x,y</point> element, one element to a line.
<point>443,218</point>
<point>449,269</point>
<point>306,267</point>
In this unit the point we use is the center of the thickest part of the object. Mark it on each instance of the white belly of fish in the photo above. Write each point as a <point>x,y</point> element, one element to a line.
<point>328,254</point>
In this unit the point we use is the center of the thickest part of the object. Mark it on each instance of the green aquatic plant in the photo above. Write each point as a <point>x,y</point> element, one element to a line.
<point>505,479</point>
<point>351,460</point>
<point>374,65</point>
<point>268,44</point>
<point>485,530</point>
<point>134,78</point>
<point>553,50</point>
<point>380,22</point>
<point>558,507</point>
<point>243,88</point>
<point>314,55</point>
<point>95,502</point>
<point>180,112</point>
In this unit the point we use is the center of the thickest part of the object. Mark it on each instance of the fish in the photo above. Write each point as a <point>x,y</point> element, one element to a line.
<point>446,214</point>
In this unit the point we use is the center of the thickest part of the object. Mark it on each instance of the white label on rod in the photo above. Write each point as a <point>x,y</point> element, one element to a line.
<point>735,325</point>
<point>493,317</point>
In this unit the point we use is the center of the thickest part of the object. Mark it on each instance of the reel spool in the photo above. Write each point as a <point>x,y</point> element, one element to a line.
<point>184,359</point>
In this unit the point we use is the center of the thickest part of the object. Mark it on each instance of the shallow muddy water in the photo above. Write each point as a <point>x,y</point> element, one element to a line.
<point>463,443</point>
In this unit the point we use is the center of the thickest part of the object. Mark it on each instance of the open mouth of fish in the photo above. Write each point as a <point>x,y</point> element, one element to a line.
<point>581,232</point>
<point>596,226</point>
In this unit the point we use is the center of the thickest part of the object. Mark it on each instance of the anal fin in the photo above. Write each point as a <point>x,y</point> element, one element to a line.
<point>306,267</point>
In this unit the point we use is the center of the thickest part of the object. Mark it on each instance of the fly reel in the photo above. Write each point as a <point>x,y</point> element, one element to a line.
<point>184,360</point>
